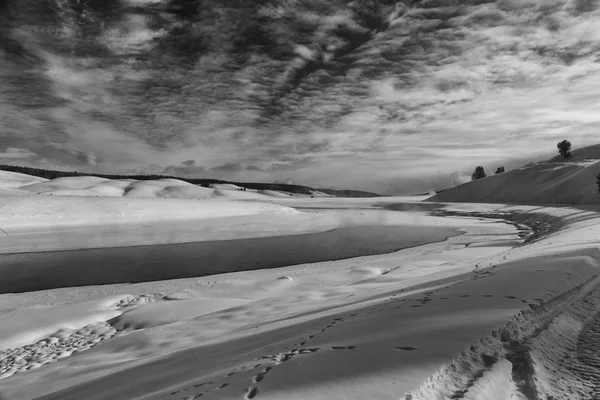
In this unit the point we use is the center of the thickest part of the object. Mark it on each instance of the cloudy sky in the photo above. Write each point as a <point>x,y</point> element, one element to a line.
<point>380,95</point>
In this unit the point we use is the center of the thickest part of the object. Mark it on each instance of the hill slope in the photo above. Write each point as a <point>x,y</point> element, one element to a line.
<point>556,181</point>
<point>63,176</point>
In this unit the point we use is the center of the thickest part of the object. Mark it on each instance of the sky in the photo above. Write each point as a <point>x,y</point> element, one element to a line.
<point>386,96</point>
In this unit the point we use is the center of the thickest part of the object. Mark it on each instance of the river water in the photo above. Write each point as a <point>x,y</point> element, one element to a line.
<point>24,272</point>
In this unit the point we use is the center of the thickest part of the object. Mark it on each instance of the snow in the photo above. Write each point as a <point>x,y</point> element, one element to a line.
<point>173,311</point>
<point>495,384</point>
<point>23,212</point>
<point>225,186</point>
<point>274,193</point>
<point>9,180</point>
<point>240,195</point>
<point>558,181</point>
<point>477,316</point>
<point>32,324</point>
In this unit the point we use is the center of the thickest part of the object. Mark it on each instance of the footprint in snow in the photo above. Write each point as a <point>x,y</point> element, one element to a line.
<point>251,392</point>
<point>343,347</point>
<point>259,377</point>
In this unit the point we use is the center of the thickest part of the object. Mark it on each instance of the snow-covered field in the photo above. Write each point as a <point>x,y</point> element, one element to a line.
<point>498,311</point>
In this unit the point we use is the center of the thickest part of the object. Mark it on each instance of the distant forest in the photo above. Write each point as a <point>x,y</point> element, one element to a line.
<point>51,174</point>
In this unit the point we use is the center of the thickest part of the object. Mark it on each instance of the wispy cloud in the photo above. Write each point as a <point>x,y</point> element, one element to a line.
<point>389,98</point>
<point>15,153</point>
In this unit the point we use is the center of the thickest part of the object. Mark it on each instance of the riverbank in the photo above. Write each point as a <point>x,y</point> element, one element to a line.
<point>34,271</point>
<point>247,313</point>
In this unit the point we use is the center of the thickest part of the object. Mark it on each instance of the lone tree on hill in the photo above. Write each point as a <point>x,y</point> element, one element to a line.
<point>500,170</point>
<point>478,174</point>
<point>564,148</point>
<point>598,182</point>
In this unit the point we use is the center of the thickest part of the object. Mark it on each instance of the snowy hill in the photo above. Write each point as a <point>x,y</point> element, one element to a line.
<point>556,181</point>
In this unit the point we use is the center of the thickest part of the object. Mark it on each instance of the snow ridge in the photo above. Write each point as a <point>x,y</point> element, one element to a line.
<point>536,343</point>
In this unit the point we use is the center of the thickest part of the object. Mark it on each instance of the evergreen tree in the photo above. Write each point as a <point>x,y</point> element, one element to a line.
<point>598,182</point>
<point>499,170</point>
<point>479,173</point>
<point>564,148</point>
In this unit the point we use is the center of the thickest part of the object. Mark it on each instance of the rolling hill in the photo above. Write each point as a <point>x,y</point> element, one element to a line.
<point>134,184</point>
<point>555,181</point>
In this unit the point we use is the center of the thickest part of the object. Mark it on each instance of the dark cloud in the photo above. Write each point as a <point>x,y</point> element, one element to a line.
<point>299,89</point>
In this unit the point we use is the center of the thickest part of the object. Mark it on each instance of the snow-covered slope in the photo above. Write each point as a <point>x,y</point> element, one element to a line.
<point>557,181</point>
<point>94,186</point>
<point>12,183</point>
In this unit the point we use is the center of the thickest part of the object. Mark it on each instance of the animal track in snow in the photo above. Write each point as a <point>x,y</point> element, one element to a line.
<point>61,344</point>
<point>343,347</point>
<point>259,377</point>
<point>64,342</point>
<point>251,392</point>
<point>280,358</point>
<point>486,273</point>
<point>138,300</point>
<point>298,350</point>
<point>308,351</point>
<point>222,385</point>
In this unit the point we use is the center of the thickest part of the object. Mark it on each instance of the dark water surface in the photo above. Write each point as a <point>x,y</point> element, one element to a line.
<point>47,270</point>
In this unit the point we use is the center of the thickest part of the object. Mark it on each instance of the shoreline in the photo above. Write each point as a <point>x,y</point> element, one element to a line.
<point>280,310</point>
<point>24,272</point>
<point>538,230</point>
<point>294,312</point>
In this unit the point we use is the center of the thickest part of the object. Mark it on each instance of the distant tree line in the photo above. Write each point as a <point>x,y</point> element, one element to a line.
<point>298,189</point>
<point>51,174</point>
